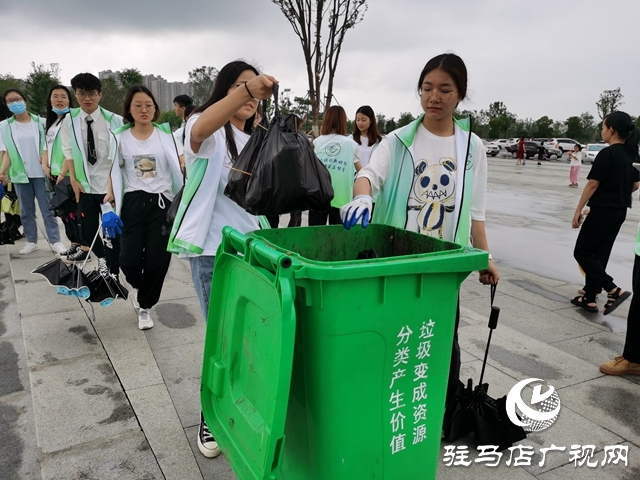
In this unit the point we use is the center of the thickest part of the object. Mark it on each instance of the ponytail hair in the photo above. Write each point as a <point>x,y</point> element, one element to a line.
<point>626,130</point>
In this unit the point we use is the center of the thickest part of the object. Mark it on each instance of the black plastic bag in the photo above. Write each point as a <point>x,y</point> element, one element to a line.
<point>285,174</point>
<point>172,211</point>
<point>240,174</point>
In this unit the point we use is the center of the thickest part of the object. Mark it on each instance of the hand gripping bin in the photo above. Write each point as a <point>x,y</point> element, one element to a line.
<point>318,366</point>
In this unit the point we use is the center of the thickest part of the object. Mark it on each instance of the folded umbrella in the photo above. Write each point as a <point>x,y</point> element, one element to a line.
<point>63,200</point>
<point>477,412</point>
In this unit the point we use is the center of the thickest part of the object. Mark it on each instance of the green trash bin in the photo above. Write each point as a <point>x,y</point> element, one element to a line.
<point>318,366</point>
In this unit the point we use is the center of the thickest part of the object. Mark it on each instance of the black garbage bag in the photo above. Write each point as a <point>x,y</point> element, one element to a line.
<point>285,175</point>
<point>243,167</point>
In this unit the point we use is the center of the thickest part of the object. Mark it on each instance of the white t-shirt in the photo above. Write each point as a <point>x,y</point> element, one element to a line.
<point>52,133</point>
<point>225,211</point>
<point>29,152</point>
<point>365,150</point>
<point>433,191</point>
<point>577,161</point>
<point>145,166</point>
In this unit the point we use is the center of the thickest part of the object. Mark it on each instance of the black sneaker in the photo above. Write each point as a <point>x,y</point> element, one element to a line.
<point>206,443</point>
<point>72,249</point>
<point>79,256</point>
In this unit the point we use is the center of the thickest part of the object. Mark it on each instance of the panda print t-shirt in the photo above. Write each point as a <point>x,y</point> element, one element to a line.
<point>430,209</point>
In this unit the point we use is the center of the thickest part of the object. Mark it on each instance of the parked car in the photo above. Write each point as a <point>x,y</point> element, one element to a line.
<point>566,144</point>
<point>591,150</point>
<point>491,149</point>
<point>501,143</point>
<point>531,150</point>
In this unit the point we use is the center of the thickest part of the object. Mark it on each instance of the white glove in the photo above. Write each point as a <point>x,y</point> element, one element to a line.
<point>356,211</point>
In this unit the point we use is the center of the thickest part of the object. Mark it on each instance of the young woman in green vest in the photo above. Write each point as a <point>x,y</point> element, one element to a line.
<point>59,102</point>
<point>430,177</point>
<point>341,156</point>
<point>23,137</point>
<point>144,179</point>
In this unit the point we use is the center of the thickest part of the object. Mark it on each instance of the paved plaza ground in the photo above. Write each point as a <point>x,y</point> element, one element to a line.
<point>82,399</point>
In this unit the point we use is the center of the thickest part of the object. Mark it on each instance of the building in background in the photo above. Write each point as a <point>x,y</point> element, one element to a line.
<point>164,91</point>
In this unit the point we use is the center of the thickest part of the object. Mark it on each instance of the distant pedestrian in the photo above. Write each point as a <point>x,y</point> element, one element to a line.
<point>541,153</point>
<point>612,179</point>
<point>340,154</point>
<point>575,157</point>
<point>520,152</point>
<point>366,133</point>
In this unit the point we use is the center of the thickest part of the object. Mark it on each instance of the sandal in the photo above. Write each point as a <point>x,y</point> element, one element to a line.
<point>614,300</point>
<point>581,301</point>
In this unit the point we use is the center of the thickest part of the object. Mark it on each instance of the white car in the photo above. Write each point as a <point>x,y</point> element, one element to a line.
<point>591,150</point>
<point>566,144</point>
<point>501,143</point>
<point>490,149</point>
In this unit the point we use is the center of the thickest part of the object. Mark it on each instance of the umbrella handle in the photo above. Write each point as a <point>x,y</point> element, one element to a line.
<point>493,323</point>
<point>84,264</point>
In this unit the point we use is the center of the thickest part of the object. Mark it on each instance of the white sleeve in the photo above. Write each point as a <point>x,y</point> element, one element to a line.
<point>2,147</point>
<point>207,148</point>
<point>66,138</point>
<point>479,200</point>
<point>356,157</point>
<point>378,169</point>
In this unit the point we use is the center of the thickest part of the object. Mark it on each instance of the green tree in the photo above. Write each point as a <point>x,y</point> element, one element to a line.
<point>405,119</point>
<point>37,84</point>
<point>479,121</point>
<point>381,122</point>
<point>171,118</point>
<point>130,77</point>
<point>202,79</point>
<point>9,81</point>
<point>391,125</point>
<point>559,129</point>
<point>543,127</point>
<point>610,101</point>
<point>321,27</point>
<point>574,128</point>
<point>588,127</point>
<point>501,121</point>
<point>112,96</point>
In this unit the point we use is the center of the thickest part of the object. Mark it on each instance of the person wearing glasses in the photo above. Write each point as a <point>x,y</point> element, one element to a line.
<point>88,146</point>
<point>23,139</point>
<point>145,177</point>
<point>430,177</point>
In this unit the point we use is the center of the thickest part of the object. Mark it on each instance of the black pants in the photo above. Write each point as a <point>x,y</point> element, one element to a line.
<point>71,228</point>
<point>144,258</point>
<point>320,218</point>
<point>295,220</point>
<point>89,213</point>
<point>593,245</point>
<point>632,340</point>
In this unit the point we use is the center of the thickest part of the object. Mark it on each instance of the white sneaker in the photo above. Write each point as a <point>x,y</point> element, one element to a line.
<point>144,319</point>
<point>58,248</point>
<point>29,248</point>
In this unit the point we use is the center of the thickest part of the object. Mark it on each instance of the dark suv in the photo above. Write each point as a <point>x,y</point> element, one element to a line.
<point>530,149</point>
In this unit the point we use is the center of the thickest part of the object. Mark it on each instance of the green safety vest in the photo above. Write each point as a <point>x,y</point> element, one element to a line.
<point>75,133</point>
<point>16,172</point>
<point>391,202</point>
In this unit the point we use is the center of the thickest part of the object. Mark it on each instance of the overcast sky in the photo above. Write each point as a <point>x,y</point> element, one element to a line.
<point>539,57</point>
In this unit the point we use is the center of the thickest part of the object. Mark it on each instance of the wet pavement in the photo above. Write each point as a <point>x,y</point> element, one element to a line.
<point>99,399</point>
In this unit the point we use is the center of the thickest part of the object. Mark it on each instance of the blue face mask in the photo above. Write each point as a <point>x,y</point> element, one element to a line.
<point>18,107</point>
<point>60,112</point>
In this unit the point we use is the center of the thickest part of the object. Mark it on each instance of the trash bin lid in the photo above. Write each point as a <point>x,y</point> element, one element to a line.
<point>248,360</point>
